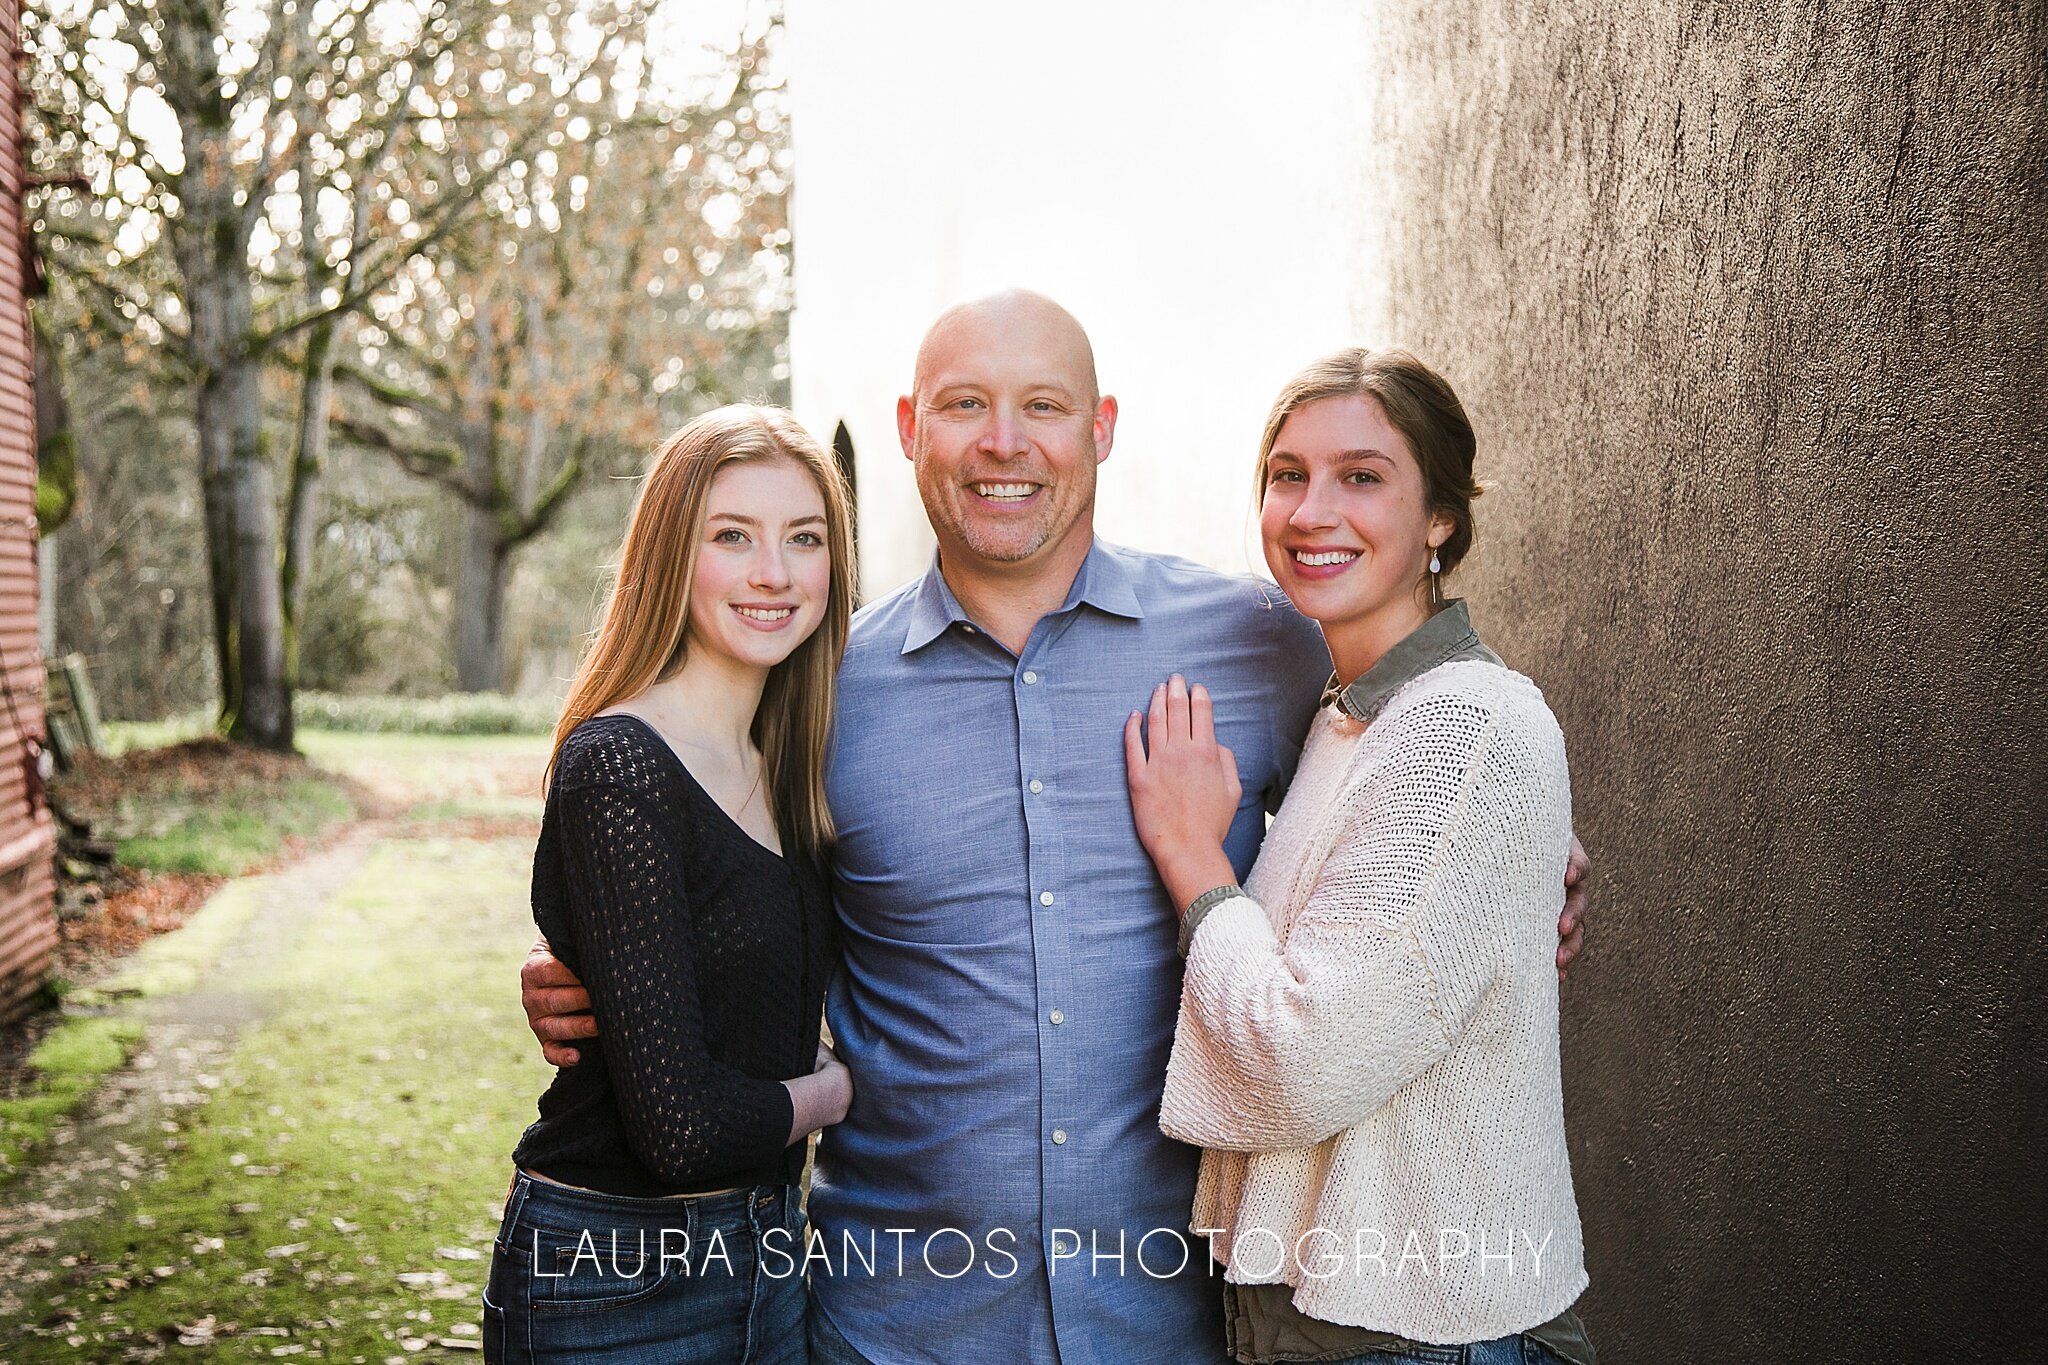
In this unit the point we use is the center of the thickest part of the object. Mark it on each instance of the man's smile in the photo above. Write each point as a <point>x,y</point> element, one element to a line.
<point>1006,494</point>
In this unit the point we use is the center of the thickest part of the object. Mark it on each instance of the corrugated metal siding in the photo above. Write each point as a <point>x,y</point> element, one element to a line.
<point>28,924</point>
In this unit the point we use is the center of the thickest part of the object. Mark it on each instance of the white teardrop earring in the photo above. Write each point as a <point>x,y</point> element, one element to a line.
<point>1436,582</point>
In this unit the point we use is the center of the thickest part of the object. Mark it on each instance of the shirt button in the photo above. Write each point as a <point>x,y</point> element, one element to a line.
<point>1036,786</point>
<point>1045,898</point>
<point>1058,1016</point>
<point>969,629</point>
<point>1062,1247</point>
<point>1059,1137</point>
<point>1029,676</point>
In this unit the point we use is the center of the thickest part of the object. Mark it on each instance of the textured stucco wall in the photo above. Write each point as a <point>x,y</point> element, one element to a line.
<point>1748,303</point>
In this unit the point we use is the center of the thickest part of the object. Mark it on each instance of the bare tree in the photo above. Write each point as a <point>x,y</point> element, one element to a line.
<point>630,276</point>
<point>260,172</point>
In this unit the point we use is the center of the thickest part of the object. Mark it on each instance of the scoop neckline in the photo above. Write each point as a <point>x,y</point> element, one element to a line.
<point>691,778</point>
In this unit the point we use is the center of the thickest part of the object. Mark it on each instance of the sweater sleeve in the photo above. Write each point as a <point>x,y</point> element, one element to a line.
<point>686,1115</point>
<point>1283,1045</point>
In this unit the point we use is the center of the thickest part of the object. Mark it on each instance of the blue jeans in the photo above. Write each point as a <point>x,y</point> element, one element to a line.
<point>710,1280</point>
<point>828,1345</point>
<point>1514,1350</point>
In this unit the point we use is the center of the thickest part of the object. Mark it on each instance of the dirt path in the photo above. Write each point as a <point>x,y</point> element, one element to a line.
<point>129,1128</point>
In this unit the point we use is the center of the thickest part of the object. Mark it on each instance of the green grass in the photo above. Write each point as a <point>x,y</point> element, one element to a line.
<point>66,1065</point>
<point>477,713</point>
<point>457,713</point>
<point>340,1189</point>
<point>235,832</point>
<point>90,1042</point>
<point>178,961</point>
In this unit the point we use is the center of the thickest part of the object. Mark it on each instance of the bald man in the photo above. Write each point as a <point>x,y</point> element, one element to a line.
<point>1000,1189</point>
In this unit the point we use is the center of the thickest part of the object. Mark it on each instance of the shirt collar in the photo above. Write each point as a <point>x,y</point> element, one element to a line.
<point>1104,583</point>
<point>1443,638</point>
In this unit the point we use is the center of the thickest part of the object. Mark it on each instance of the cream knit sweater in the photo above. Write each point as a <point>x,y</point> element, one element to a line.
<point>1368,1038</point>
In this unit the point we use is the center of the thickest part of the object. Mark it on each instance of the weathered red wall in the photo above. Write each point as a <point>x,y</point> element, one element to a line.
<point>28,928</point>
<point>1750,304</point>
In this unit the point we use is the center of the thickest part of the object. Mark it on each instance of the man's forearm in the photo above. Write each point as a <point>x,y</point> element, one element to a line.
<point>818,1100</point>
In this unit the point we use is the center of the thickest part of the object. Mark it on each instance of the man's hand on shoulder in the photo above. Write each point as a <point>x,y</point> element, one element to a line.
<point>1571,925</point>
<point>557,1007</point>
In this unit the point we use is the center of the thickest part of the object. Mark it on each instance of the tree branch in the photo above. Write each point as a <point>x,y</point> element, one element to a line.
<point>392,393</point>
<point>440,464</point>
<point>447,214</point>
<point>554,497</point>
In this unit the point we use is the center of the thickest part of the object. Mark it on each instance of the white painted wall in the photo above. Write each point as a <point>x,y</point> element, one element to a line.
<point>1188,178</point>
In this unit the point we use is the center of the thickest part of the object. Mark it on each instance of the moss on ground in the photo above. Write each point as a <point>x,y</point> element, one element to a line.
<point>336,1197</point>
<point>65,1067</point>
<point>90,1042</point>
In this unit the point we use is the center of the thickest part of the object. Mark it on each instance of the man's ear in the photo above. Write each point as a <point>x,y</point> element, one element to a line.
<point>906,425</point>
<point>1105,427</point>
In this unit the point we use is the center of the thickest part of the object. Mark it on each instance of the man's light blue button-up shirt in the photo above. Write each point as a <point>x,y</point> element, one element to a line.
<point>1000,1189</point>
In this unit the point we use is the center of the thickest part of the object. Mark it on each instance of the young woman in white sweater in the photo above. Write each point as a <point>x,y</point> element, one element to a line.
<point>1367,1043</point>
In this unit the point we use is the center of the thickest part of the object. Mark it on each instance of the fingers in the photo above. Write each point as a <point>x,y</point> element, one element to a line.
<point>564,1028</point>
<point>558,1055</point>
<point>1569,947</point>
<point>1227,762</point>
<point>1178,722</point>
<point>1134,746</point>
<point>1201,715</point>
<point>542,1001</point>
<point>542,969</point>
<point>1574,915</point>
<point>1576,864</point>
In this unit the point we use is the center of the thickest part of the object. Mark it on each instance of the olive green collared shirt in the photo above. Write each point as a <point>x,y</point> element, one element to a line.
<point>1446,637</point>
<point>1261,1324</point>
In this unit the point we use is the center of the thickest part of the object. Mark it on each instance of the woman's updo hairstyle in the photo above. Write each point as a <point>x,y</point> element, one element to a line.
<point>1419,403</point>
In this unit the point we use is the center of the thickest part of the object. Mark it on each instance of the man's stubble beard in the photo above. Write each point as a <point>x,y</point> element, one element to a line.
<point>950,498</point>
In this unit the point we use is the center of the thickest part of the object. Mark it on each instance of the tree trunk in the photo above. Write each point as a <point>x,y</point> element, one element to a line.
<point>317,381</point>
<point>216,477</point>
<point>212,248</point>
<point>265,715</point>
<point>480,603</point>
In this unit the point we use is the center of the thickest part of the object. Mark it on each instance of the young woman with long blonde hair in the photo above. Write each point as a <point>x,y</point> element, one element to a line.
<point>681,872</point>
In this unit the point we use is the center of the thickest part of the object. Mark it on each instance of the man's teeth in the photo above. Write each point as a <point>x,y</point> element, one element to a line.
<point>1327,557</point>
<point>1006,490</point>
<point>763,614</point>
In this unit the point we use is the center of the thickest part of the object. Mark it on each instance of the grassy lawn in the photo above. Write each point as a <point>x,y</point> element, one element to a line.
<point>68,1064</point>
<point>231,830</point>
<point>202,805</point>
<point>409,770</point>
<point>336,1197</point>
<point>206,807</point>
<point>196,806</point>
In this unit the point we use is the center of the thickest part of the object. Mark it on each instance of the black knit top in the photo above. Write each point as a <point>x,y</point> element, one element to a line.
<point>706,957</point>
